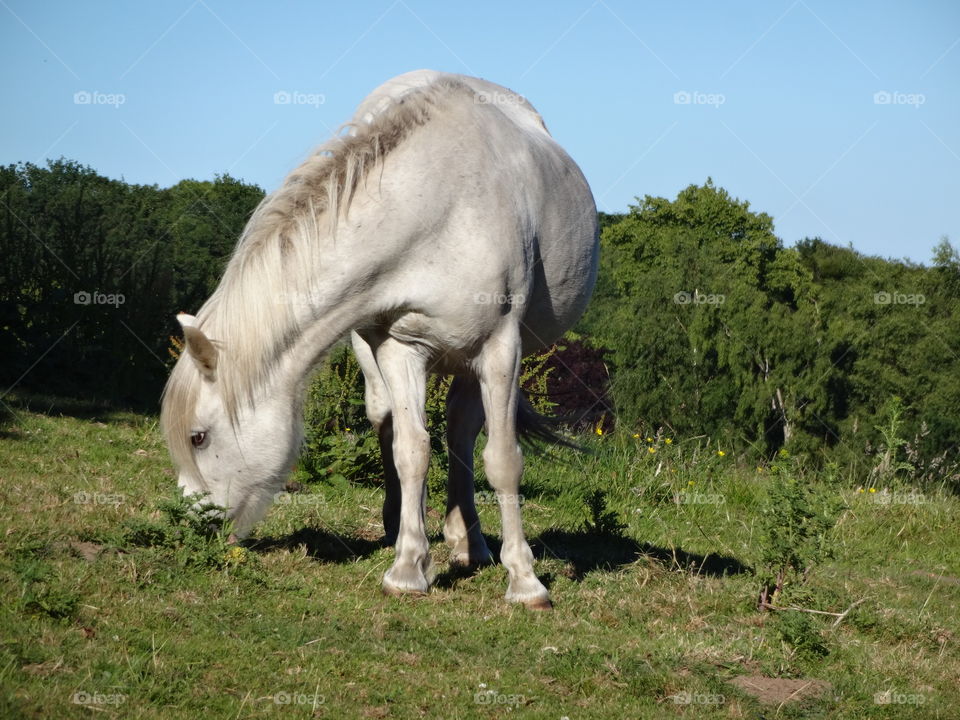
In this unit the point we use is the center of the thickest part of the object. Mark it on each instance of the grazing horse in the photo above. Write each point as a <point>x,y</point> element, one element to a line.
<point>447,232</point>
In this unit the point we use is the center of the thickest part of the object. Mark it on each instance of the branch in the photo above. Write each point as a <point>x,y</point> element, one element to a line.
<point>839,616</point>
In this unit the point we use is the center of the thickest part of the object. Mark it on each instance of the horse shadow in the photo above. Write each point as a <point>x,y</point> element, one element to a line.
<point>321,545</point>
<point>55,406</point>
<point>584,552</point>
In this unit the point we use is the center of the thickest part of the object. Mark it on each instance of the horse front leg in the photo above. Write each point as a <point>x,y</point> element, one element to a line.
<point>403,370</point>
<point>499,371</point>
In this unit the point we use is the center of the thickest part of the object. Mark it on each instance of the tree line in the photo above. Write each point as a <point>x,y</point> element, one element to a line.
<point>716,329</point>
<point>708,324</point>
<point>95,269</point>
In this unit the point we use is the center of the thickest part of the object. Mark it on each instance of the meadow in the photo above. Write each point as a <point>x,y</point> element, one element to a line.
<point>117,604</point>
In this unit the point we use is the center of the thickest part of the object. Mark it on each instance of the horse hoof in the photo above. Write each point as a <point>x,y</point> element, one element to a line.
<point>404,579</point>
<point>398,592</point>
<point>539,605</point>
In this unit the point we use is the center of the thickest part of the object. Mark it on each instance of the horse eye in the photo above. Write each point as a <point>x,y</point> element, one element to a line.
<point>197,438</point>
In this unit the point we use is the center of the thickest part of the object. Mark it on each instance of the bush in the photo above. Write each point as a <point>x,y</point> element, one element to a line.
<point>339,442</point>
<point>340,445</point>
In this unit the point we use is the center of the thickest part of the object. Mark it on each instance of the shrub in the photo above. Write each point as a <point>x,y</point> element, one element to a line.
<point>339,442</point>
<point>340,445</point>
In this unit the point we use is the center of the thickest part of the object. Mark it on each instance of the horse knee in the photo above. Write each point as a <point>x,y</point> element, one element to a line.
<point>503,465</point>
<point>411,453</point>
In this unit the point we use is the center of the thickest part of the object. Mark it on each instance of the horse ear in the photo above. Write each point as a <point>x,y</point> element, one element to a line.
<point>202,351</point>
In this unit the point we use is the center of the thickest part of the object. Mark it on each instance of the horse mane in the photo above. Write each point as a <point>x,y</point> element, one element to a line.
<point>252,315</point>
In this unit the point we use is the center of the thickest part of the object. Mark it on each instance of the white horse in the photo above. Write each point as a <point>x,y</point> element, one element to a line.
<point>451,233</point>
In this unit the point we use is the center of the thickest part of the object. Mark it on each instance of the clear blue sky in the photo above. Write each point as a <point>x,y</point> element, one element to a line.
<point>781,112</point>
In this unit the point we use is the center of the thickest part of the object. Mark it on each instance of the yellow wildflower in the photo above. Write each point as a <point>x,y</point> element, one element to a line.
<point>236,555</point>
<point>721,453</point>
<point>651,449</point>
<point>668,441</point>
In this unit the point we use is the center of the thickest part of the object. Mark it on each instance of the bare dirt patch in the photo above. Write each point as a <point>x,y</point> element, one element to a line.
<point>89,551</point>
<point>776,691</point>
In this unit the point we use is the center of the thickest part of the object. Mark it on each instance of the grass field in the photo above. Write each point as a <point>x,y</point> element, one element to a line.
<point>114,606</point>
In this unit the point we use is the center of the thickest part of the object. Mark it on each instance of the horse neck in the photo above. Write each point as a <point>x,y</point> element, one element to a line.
<point>319,335</point>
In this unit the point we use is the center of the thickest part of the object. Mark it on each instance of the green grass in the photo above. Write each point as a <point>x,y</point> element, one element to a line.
<point>117,606</point>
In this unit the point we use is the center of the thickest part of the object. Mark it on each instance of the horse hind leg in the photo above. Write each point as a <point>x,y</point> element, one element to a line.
<point>461,529</point>
<point>379,413</point>
<point>499,371</point>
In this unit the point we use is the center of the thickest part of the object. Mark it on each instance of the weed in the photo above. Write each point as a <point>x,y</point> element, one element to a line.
<point>797,520</point>
<point>43,591</point>
<point>186,532</point>
<point>802,633</point>
<point>889,464</point>
<point>602,521</point>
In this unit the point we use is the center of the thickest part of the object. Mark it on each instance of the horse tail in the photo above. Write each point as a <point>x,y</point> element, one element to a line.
<point>539,432</point>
